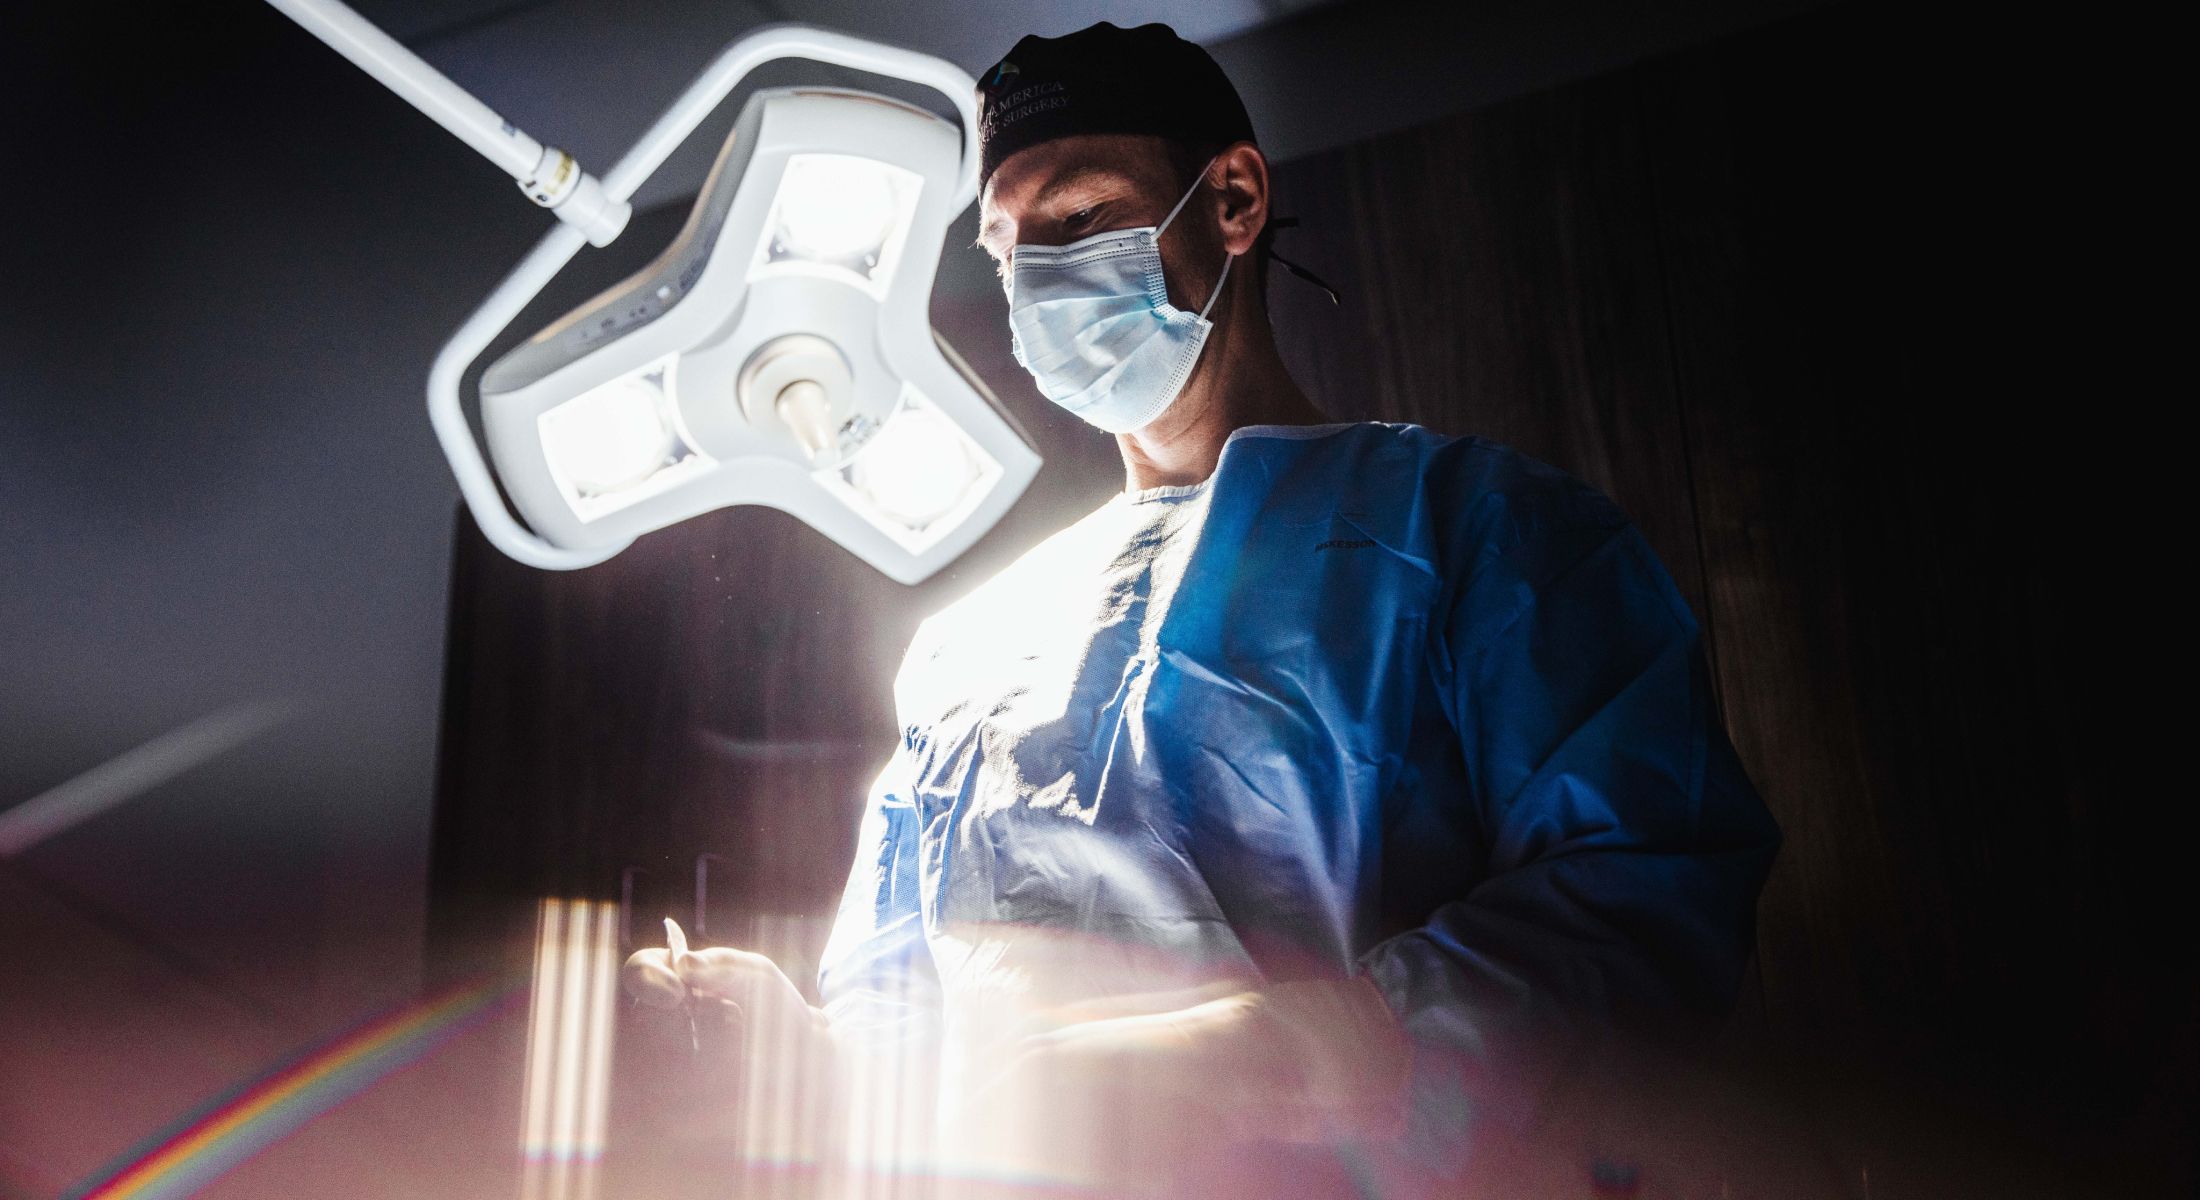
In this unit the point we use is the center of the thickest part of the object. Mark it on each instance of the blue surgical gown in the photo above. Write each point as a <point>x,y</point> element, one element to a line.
<point>1369,699</point>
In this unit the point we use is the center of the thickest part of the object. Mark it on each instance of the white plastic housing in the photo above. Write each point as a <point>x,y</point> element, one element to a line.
<point>747,273</point>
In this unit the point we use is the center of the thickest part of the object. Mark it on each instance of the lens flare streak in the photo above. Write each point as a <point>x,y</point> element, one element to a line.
<point>564,1105</point>
<point>229,1130</point>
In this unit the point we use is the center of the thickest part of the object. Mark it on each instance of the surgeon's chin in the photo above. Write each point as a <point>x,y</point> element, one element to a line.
<point>1164,441</point>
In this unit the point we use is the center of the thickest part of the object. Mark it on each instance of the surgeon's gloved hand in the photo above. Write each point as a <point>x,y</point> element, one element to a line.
<point>757,1046</point>
<point>722,986</point>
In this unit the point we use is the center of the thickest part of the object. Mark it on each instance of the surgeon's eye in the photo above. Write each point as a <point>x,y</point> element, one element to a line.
<point>1078,219</point>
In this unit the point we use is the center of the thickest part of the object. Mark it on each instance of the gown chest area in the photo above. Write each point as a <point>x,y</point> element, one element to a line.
<point>1162,694</point>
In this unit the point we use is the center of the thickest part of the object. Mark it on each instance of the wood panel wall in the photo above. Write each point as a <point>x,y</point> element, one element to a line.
<point>1740,289</point>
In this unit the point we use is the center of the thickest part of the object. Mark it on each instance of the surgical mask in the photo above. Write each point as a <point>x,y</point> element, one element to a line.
<point>1093,324</point>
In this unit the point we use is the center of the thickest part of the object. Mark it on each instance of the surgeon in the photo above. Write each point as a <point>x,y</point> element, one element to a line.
<point>1296,812</point>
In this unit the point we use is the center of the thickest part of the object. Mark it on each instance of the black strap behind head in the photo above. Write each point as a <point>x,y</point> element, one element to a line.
<point>1266,242</point>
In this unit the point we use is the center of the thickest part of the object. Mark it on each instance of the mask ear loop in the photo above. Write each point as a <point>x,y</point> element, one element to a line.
<point>1267,241</point>
<point>1185,199</point>
<point>1221,279</point>
<point>1227,258</point>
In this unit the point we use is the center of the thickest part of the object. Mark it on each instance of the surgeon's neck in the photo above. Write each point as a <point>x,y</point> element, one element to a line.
<point>1240,380</point>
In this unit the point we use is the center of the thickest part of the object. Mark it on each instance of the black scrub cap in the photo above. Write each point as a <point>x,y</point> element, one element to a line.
<point>1102,79</point>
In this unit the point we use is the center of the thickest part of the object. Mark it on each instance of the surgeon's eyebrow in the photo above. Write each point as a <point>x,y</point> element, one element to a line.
<point>994,230</point>
<point>1068,177</point>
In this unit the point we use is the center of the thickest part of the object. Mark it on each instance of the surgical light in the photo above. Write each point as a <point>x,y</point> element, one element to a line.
<point>918,468</point>
<point>778,352</point>
<point>839,209</point>
<point>607,438</point>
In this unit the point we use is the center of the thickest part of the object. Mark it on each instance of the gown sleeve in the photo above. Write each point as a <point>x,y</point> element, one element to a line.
<point>876,978</point>
<point>1625,846</point>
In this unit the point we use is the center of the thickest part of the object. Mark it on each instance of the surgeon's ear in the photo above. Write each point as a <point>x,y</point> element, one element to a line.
<point>1241,173</point>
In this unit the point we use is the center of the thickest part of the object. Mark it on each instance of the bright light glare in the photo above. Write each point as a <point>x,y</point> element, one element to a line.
<point>836,207</point>
<point>608,438</point>
<point>917,468</point>
<point>564,1108</point>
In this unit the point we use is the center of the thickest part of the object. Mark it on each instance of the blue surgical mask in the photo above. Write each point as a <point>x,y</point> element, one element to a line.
<point>1093,324</point>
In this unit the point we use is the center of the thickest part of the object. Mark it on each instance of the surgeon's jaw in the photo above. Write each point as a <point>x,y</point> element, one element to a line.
<point>1073,187</point>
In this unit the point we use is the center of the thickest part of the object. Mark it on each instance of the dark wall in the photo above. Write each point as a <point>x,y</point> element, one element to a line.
<point>218,487</point>
<point>1759,292</point>
<point>1775,296</point>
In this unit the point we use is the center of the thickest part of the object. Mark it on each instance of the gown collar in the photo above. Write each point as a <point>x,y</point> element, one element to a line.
<point>1178,491</point>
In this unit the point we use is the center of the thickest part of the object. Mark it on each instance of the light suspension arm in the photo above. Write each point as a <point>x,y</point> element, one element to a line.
<point>547,174</point>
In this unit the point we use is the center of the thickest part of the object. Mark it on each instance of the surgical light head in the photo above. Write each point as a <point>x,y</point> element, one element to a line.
<point>777,352</point>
